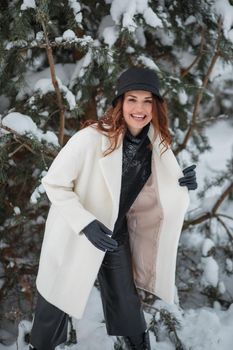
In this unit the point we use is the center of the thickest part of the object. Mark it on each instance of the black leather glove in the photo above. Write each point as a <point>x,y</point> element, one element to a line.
<point>97,233</point>
<point>189,178</point>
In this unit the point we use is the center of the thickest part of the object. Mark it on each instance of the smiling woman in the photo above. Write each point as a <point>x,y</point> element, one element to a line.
<point>114,216</point>
<point>137,102</point>
<point>137,110</point>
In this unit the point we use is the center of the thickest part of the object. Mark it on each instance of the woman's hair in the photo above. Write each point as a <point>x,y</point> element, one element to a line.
<point>112,123</point>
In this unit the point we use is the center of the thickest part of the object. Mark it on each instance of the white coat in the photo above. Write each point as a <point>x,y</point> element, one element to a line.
<point>83,185</point>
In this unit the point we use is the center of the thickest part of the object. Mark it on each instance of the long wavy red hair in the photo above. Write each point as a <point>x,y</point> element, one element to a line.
<point>112,123</point>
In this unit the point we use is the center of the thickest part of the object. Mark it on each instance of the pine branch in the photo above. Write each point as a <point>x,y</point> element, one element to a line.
<point>222,197</point>
<point>217,54</point>
<point>72,333</point>
<point>198,57</point>
<point>54,80</point>
<point>225,216</point>
<point>78,42</point>
<point>169,320</point>
<point>213,212</point>
<point>229,233</point>
<point>185,71</point>
<point>26,142</point>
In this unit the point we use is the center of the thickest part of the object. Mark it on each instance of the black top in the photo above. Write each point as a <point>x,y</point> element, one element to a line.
<point>136,169</point>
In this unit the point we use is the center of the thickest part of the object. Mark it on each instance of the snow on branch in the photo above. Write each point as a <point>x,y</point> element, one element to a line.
<point>216,55</point>
<point>125,11</point>
<point>212,213</point>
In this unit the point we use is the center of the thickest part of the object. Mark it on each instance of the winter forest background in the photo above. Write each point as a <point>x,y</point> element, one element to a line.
<point>58,64</point>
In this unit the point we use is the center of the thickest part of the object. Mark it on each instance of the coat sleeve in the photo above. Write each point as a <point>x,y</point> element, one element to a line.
<point>59,183</point>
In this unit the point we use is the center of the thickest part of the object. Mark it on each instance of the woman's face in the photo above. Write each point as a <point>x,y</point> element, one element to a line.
<point>137,110</point>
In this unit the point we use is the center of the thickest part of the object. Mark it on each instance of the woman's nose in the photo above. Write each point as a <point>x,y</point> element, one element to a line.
<point>138,108</point>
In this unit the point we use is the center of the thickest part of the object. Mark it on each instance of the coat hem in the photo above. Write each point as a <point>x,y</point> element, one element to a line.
<point>152,291</point>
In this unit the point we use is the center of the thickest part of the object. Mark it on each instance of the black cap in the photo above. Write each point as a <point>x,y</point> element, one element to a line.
<point>136,78</point>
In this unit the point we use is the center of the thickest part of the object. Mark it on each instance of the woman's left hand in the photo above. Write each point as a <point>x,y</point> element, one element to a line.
<point>189,178</point>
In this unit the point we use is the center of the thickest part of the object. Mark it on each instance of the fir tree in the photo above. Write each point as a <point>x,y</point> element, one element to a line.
<point>59,62</point>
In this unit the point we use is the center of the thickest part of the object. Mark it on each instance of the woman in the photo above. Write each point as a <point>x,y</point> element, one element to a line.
<point>118,204</point>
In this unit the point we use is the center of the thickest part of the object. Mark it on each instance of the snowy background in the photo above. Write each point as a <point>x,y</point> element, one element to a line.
<point>189,45</point>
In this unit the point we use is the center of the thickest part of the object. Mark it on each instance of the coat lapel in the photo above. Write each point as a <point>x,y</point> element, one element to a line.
<point>111,167</point>
<point>154,137</point>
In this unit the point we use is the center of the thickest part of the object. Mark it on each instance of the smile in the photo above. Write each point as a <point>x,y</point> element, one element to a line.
<point>138,116</point>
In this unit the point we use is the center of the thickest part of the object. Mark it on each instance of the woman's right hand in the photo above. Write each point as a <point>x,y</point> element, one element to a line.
<point>98,235</point>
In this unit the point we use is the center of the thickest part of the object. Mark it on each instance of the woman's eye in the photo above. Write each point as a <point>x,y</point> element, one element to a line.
<point>133,100</point>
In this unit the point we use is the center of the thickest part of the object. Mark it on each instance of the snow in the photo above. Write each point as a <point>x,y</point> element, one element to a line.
<point>23,124</point>
<point>110,35</point>
<point>43,86</point>
<point>126,10</point>
<point>225,10</point>
<point>148,62</point>
<point>210,271</point>
<point>63,73</point>
<point>75,5</point>
<point>190,20</point>
<point>226,103</point>
<point>80,68</point>
<point>210,162</point>
<point>108,31</point>
<point>44,113</point>
<point>185,58</point>
<point>221,71</point>
<point>23,328</point>
<point>201,329</point>
<point>50,137</point>
<point>20,123</point>
<point>140,38</point>
<point>86,61</point>
<point>178,21</point>
<point>36,194</point>
<point>86,40</point>
<point>100,105</point>
<point>17,210</point>
<point>27,4</point>
<point>130,49</point>
<point>68,35</point>
<point>151,18</point>
<point>208,165</point>
<point>39,36</point>
<point>15,44</point>
<point>221,287</point>
<point>208,244</point>
<point>207,328</point>
<point>183,97</point>
<point>40,220</point>
<point>166,38</point>
<point>79,95</point>
<point>229,265</point>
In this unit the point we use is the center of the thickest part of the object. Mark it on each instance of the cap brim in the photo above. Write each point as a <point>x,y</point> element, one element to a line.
<point>114,101</point>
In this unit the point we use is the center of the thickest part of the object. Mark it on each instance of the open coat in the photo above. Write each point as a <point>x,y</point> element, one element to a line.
<point>83,185</point>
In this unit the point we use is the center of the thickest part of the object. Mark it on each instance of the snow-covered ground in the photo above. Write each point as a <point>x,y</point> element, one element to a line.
<point>202,328</point>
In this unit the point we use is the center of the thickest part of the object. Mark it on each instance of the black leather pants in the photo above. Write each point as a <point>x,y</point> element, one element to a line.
<point>121,304</point>
<point>49,327</point>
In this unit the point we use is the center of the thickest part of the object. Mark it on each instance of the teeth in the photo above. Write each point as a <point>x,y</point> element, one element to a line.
<point>138,116</point>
